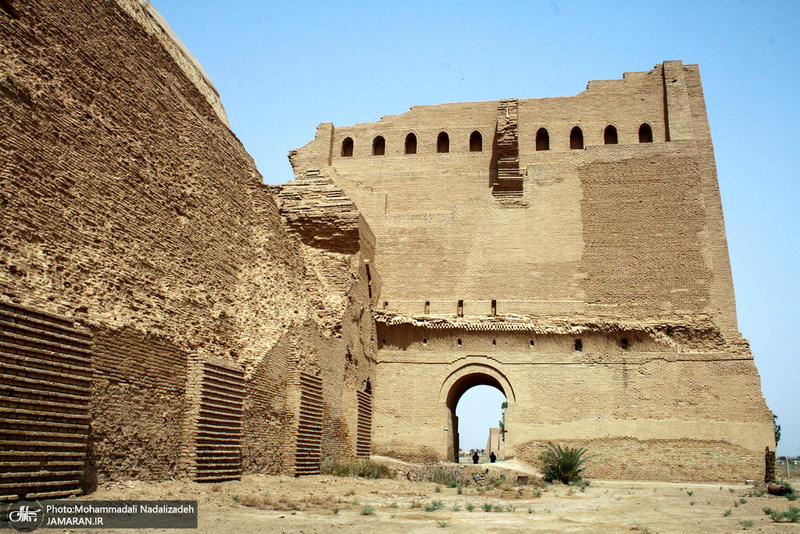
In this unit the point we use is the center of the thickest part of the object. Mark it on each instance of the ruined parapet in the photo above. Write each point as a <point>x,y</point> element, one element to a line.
<point>319,213</point>
<point>508,181</point>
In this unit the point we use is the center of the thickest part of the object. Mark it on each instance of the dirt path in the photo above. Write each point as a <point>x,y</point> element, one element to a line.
<point>323,504</point>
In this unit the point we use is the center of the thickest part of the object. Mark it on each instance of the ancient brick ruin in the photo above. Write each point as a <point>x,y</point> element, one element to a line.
<point>570,252</point>
<point>163,313</point>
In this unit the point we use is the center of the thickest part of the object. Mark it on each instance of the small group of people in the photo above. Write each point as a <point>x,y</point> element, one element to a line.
<point>476,457</point>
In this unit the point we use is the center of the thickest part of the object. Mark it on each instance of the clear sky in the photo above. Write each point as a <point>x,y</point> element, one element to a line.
<point>282,68</point>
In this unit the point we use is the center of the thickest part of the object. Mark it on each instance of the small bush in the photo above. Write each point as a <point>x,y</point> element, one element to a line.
<point>444,475</point>
<point>747,523</point>
<point>367,510</point>
<point>433,506</point>
<point>727,513</point>
<point>792,515</point>
<point>469,506</point>
<point>442,524</point>
<point>487,507</point>
<point>360,468</point>
<point>563,463</point>
<point>336,468</point>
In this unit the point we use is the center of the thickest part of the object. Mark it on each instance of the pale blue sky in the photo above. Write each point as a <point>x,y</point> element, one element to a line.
<point>284,67</point>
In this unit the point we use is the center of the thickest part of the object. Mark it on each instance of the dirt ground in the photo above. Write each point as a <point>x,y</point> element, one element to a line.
<point>323,504</point>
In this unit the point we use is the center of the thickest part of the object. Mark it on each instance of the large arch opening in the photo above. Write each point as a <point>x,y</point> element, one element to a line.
<point>483,389</point>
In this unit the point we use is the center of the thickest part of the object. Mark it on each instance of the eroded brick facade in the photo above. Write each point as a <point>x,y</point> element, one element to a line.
<point>131,213</point>
<point>165,314</point>
<point>568,251</point>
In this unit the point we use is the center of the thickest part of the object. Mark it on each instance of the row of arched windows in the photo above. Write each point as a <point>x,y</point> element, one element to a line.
<point>442,144</point>
<point>476,141</point>
<point>576,137</point>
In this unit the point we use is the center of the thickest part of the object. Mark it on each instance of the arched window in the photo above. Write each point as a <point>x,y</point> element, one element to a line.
<point>542,140</point>
<point>378,146</point>
<point>411,144</point>
<point>576,138</point>
<point>645,133</point>
<point>347,147</point>
<point>443,143</point>
<point>475,142</point>
<point>610,135</point>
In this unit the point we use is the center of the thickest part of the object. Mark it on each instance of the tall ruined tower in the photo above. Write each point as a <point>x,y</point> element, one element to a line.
<point>570,252</point>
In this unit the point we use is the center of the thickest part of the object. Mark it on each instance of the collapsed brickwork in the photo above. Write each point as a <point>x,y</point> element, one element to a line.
<point>570,252</point>
<point>157,313</point>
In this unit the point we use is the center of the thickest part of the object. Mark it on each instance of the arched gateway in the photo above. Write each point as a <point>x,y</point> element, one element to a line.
<point>467,376</point>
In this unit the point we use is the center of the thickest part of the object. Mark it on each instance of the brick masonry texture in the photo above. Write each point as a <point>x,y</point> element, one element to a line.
<point>235,327</point>
<point>575,259</point>
<point>130,208</point>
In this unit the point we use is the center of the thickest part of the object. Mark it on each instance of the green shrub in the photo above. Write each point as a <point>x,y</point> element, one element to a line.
<point>792,515</point>
<point>367,510</point>
<point>446,476</point>
<point>563,463</point>
<point>336,468</point>
<point>360,468</point>
<point>433,506</point>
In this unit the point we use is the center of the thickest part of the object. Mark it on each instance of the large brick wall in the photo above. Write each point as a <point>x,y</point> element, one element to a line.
<point>132,215</point>
<point>128,206</point>
<point>575,258</point>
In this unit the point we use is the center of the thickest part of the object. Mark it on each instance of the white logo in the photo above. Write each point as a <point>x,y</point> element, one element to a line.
<point>23,514</point>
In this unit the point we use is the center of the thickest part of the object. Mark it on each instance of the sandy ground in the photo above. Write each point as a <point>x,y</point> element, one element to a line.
<point>322,504</point>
